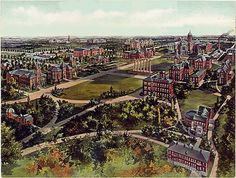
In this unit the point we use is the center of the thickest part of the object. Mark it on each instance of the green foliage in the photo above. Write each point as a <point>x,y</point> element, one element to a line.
<point>225,141</point>
<point>10,148</point>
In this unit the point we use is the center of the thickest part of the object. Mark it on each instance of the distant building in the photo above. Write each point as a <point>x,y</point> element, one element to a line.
<point>201,62</point>
<point>26,119</point>
<point>159,85</point>
<point>189,157</point>
<point>224,73</point>
<point>88,51</point>
<point>181,71</point>
<point>230,55</point>
<point>199,120</point>
<point>25,78</point>
<point>58,73</point>
<point>138,54</point>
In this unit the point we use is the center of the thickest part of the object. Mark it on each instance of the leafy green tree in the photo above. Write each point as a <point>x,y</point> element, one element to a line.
<point>11,149</point>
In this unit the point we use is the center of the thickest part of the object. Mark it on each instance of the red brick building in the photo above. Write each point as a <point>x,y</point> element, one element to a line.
<point>57,73</point>
<point>199,120</point>
<point>25,78</point>
<point>197,78</point>
<point>180,71</point>
<point>201,62</point>
<point>203,48</point>
<point>224,73</point>
<point>138,54</point>
<point>189,157</point>
<point>22,119</point>
<point>89,51</point>
<point>158,85</point>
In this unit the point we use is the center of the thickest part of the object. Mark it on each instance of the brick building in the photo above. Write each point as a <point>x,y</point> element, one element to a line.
<point>189,157</point>
<point>202,48</point>
<point>180,71</point>
<point>198,120</point>
<point>89,51</point>
<point>25,78</point>
<point>158,85</point>
<point>138,54</point>
<point>224,73</point>
<point>58,73</point>
<point>201,62</point>
<point>197,78</point>
<point>26,119</point>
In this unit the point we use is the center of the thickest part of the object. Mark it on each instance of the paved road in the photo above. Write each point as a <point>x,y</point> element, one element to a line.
<point>132,133</point>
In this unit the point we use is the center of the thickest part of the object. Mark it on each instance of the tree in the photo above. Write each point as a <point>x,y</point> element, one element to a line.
<point>11,150</point>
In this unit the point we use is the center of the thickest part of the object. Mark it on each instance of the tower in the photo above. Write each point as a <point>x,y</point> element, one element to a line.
<point>190,40</point>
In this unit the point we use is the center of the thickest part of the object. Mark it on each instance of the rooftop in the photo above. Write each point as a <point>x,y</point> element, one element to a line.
<point>189,150</point>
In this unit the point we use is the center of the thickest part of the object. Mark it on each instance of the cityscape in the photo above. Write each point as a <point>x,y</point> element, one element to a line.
<point>112,95</point>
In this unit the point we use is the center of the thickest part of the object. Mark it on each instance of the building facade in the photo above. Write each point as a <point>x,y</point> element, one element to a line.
<point>189,157</point>
<point>200,62</point>
<point>224,73</point>
<point>180,71</point>
<point>25,78</point>
<point>197,78</point>
<point>198,120</point>
<point>158,85</point>
<point>26,119</point>
<point>89,51</point>
<point>58,73</point>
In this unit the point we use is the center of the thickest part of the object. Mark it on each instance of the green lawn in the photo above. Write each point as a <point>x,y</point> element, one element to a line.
<point>197,98</point>
<point>92,89</point>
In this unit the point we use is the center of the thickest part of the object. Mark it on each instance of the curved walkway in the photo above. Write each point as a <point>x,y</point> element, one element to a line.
<point>132,133</point>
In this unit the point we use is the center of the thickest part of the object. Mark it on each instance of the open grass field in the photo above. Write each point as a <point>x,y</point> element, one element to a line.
<point>94,88</point>
<point>197,98</point>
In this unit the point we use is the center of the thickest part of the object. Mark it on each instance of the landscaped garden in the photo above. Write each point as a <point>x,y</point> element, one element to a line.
<point>96,87</point>
<point>197,98</point>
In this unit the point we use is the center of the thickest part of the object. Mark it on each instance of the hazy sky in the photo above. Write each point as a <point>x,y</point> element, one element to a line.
<point>115,17</point>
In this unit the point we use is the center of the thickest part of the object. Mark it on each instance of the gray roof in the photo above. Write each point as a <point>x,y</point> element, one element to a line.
<point>157,77</point>
<point>200,115</point>
<point>25,72</point>
<point>189,150</point>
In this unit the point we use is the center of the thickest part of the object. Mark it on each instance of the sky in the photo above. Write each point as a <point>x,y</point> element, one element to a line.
<point>31,18</point>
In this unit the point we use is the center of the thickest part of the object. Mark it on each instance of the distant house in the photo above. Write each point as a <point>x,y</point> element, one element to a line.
<point>159,85</point>
<point>189,157</point>
<point>199,120</point>
<point>26,119</point>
